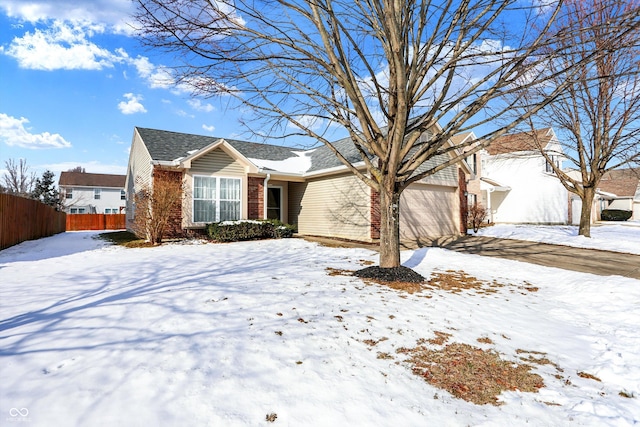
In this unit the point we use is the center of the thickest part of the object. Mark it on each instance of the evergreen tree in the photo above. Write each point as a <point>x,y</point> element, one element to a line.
<point>46,192</point>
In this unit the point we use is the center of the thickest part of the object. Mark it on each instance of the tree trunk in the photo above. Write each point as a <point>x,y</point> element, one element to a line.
<point>389,228</point>
<point>585,213</point>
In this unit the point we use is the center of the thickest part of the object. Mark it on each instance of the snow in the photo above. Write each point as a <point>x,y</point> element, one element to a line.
<point>298,164</point>
<point>224,334</point>
<point>609,237</point>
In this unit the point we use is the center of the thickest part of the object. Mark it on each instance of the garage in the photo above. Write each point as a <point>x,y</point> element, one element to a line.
<point>428,211</point>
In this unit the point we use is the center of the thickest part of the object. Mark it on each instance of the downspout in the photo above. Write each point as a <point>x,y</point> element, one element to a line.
<point>265,196</point>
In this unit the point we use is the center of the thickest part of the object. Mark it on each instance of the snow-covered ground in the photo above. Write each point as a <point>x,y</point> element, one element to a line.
<point>610,237</point>
<point>223,335</point>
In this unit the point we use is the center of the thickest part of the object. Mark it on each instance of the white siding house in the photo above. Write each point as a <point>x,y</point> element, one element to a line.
<point>516,184</point>
<point>85,193</point>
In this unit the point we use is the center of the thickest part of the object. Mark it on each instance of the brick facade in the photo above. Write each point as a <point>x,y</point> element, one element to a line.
<point>255,198</point>
<point>173,228</point>
<point>375,215</point>
<point>464,201</point>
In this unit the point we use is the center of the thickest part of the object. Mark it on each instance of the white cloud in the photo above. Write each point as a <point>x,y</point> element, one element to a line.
<point>197,105</point>
<point>114,13</point>
<point>132,105</point>
<point>62,46</point>
<point>14,133</point>
<point>209,128</point>
<point>157,76</point>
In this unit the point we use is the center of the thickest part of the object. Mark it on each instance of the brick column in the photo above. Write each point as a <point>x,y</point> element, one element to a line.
<point>374,227</point>
<point>255,198</point>
<point>174,225</point>
<point>464,201</point>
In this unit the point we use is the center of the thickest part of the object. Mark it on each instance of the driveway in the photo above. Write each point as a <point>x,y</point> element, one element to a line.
<point>603,263</point>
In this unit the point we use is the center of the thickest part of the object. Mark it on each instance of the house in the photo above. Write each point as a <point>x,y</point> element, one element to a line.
<point>92,192</point>
<point>514,181</point>
<point>227,179</point>
<point>618,189</point>
<point>624,186</point>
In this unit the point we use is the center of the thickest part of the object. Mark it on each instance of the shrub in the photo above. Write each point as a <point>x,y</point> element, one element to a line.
<point>476,216</point>
<point>615,215</point>
<point>234,231</point>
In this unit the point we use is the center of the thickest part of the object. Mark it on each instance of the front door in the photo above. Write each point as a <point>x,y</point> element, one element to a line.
<point>274,203</point>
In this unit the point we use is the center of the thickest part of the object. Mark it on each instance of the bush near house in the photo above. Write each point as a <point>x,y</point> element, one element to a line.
<point>233,231</point>
<point>476,216</point>
<point>615,215</point>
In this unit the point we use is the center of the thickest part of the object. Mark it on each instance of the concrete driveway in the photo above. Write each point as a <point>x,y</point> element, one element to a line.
<point>603,263</point>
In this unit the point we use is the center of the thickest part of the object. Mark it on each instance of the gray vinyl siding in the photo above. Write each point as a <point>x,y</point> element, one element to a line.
<point>337,206</point>
<point>138,174</point>
<point>217,162</point>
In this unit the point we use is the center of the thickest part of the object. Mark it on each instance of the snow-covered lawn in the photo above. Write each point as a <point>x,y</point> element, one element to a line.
<point>224,335</point>
<point>609,237</point>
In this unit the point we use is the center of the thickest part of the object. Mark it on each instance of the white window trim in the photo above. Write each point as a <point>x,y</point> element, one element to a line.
<point>97,194</point>
<point>217,199</point>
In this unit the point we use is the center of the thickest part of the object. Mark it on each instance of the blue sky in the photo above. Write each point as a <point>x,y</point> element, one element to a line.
<point>74,82</point>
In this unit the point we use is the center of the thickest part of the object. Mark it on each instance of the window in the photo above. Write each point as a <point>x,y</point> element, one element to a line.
<point>96,194</point>
<point>77,210</point>
<point>556,161</point>
<point>471,161</point>
<point>123,195</point>
<point>69,193</point>
<point>216,199</point>
<point>109,211</point>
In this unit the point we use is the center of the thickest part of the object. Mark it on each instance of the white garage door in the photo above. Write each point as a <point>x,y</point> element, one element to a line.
<point>429,211</point>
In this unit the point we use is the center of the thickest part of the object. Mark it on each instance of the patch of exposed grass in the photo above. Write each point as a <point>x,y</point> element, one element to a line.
<point>458,281</point>
<point>124,238</point>
<point>338,272</point>
<point>589,376</point>
<point>470,373</point>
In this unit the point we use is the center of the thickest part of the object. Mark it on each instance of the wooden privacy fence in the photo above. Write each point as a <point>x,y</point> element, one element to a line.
<point>26,219</point>
<point>77,222</point>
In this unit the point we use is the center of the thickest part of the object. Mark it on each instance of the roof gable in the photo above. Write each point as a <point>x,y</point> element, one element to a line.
<point>83,179</point>
<point>522,141</point>
<point>621,182</point>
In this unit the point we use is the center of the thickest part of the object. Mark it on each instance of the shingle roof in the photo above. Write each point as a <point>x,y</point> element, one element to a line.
<point>621,182</point>
<point>82,179</point>
<point>167,146</point>
<point>523,141</point>
<point>323,158</point>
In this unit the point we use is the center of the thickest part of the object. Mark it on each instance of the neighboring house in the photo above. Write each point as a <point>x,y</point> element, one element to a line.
<point>618,189</point>
<point>84,193</point>
<point>226,179</point>
<point>514,181</point>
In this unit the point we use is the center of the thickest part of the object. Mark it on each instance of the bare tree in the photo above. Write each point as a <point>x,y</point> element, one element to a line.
<point>77,169</point>
<point>18,179</point>
<point>598,115</point>
<point>384,72</point>
<point>157,205</point>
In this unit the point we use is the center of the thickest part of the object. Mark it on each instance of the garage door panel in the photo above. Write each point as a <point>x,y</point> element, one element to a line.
<point>428,211</point>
